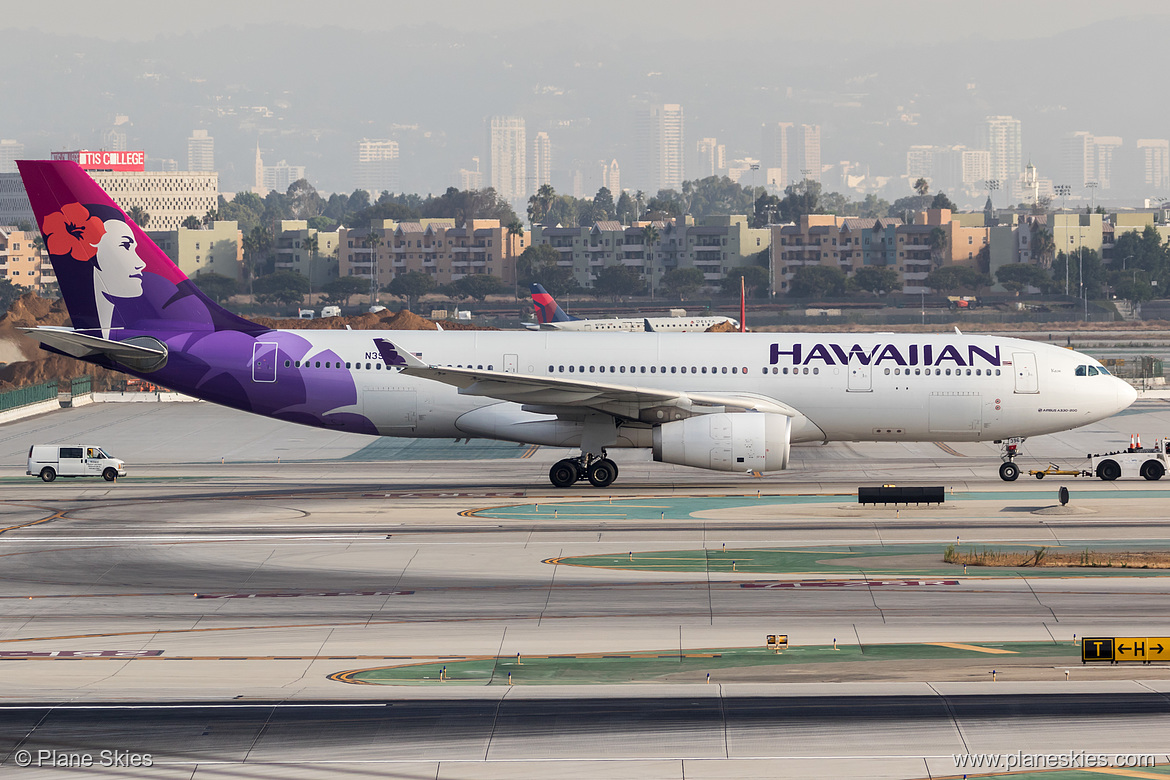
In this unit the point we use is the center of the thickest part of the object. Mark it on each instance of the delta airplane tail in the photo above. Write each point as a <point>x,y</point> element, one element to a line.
<point>547,309</point>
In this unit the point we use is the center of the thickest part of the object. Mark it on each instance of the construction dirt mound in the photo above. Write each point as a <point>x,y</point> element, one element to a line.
<point>723,327</point>
<point>24,363</point>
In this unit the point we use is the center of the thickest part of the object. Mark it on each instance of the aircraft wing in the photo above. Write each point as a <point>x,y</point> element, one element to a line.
<point>144,353</point>
<point>625,401</point>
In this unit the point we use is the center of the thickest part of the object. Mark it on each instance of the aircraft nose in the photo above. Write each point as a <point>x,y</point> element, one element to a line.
<point>1126,394</point>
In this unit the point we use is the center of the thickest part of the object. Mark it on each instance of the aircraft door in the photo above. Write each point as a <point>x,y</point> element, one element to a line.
<point>860,379</point>
<point>1027,378</point>
<point>509,364</point>
<point>264,361</point>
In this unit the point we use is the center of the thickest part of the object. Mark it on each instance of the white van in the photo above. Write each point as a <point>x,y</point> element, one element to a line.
<point>305,314</point>
<point>49,461</point>
<point>330,311</point>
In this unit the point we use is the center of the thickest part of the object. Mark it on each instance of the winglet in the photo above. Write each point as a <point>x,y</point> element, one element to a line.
<point>396,357</point>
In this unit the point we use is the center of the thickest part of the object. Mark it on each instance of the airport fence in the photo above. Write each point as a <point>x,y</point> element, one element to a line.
<point>26,396</point>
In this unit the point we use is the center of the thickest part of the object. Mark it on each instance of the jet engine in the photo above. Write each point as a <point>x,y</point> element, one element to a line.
<point>748,441</point>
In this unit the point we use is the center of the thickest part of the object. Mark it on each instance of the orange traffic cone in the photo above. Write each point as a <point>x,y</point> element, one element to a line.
<point>1139,441</point>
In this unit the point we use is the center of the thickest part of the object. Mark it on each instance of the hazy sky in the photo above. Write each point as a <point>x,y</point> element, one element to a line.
<point>892,20</point>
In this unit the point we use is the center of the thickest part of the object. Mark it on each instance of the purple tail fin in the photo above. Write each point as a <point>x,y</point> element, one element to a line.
<point>115,281</point>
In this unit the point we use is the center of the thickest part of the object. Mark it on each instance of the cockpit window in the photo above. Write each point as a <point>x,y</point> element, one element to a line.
<point>1092,371</point>
<point>1103,370</point>
<point>1082,370</point>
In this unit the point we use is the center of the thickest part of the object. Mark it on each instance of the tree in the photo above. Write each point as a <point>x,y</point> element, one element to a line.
<point>411,285</point>
<point>1015,277</point>
<point>211,216</point>
<point>257,247</point>
<point>1082,259</point>
<point>477,286</point>
<point>755,281</point>
<point>682,283</point>
<point>939,241</point>
<point>941,201</point>
<point>817,281</point>
<point>614,281</point>
<point>139,215</point>
<point>303,200</point>
<point>876,279</point>
<point>285,287</point>
<point>800,199</point>
<point>540,203</point>
<point>603,205</point>
<point>192,222</point>
<point>343,288</point>
<point>311,245</point>
<point>626,209</point>
<point>9,292</point>
<point>216,286</point>
<point>922,187</point>
<point>1042,247</point>
<point>539,264</point>
<point>956,277</point>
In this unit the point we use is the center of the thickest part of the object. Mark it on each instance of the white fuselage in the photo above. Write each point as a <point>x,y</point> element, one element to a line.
<point>862,387</point>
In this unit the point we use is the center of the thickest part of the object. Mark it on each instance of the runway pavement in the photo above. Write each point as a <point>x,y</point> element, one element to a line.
<point>228,597</point>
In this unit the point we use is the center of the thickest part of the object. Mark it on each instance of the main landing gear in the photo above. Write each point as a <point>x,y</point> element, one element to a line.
<point>601,472</point>
<point>1008,470</point>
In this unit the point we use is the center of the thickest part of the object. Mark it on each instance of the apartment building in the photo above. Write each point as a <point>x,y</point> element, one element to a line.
<point>294,252</point>
<point>714,245</point>
<point>217,249</point>
<point>432,246</point>
<point>21,262</point>
<point>847,243</point>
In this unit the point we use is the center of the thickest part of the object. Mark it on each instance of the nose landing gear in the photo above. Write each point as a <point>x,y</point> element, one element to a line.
<point>1008,470</point>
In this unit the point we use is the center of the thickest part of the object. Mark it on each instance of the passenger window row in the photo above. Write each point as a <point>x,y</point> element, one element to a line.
<point>643,369</point>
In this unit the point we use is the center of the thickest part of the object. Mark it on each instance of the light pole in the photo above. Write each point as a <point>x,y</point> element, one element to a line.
<point>992,186</point>
<point>1092,185</point>
<point>1063,191</point>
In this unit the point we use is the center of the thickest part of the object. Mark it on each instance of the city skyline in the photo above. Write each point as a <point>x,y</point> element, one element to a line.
<point>872,101</point>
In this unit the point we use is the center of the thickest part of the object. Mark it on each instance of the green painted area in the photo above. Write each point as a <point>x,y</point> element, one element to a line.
<point>859,559</point>
<point>649,667</point>
<point>390,448</point>
<point>686,507</point>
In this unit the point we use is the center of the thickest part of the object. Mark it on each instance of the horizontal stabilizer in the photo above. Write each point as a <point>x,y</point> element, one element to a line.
<point>142,353</point>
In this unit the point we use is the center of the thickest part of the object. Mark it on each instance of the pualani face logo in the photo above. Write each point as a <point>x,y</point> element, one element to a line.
<point>910,355</point>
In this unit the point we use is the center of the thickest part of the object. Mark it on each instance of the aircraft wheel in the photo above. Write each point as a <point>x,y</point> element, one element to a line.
<point>1009,472</point>
<point>563,474</point>
<point>109,475</point>
<point>47,474</point>
<point>602,473</point>
<point>1153,470</point>
<point>1108,470</point>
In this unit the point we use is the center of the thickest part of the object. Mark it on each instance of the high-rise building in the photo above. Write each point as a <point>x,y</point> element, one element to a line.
<point>471,178</point>
<point>810,152</point>
<point>775,152</point>
<point>10,152</point>
<point>114,138</point>
<point>377,166</point>
<point>541,161</point>
<point>258,187</point>
<point>920,163</point>
<point>711,158</point>
<point>1078,159</point>
<point>661,146</point>
<point>1001,137</point>
<point>200,151</point>
<point>506,158</point>
<point>280,177</point>
<point>1155,162</point>
<point>611,178</point>
<point>1106,146</point>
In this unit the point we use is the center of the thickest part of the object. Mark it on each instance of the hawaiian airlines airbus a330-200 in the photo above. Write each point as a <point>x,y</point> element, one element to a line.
<point>728,402</point>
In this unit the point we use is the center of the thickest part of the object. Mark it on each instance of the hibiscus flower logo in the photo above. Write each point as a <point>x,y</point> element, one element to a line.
<point>73,231</point>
